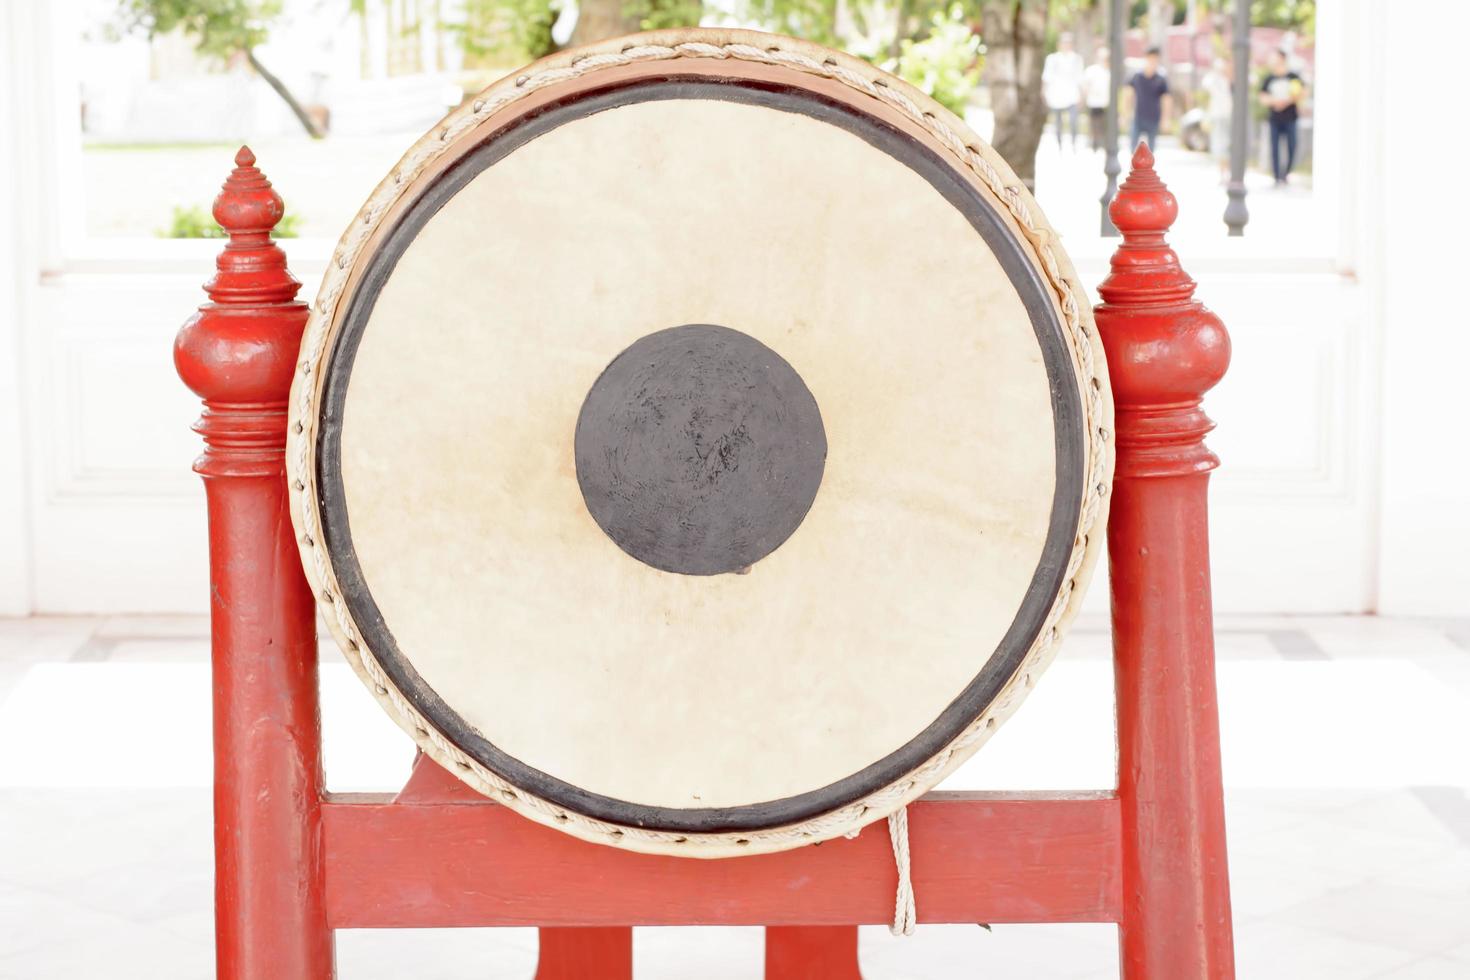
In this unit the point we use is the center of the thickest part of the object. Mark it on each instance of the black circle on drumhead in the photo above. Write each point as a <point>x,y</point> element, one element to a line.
<point>994,668</point>
<point>699,450</point>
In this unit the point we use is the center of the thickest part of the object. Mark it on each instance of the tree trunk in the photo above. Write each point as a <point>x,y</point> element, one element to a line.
<point>1084,30</point>
<point>284,93</point>
<point>598,20</point>
<point>1160,19</point>
<point>1014,32</point>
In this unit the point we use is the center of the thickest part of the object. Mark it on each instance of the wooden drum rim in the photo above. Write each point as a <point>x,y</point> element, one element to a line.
<point>567,86</point>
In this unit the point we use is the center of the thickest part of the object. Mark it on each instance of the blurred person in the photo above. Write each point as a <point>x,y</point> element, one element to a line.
<point>1150,89</point>
<point>1281,90</point>
<point>1218,85</point>
<point>1061,85</point>
<point>1097,82</point>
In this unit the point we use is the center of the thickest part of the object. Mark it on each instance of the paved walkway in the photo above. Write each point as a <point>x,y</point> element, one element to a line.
<point>1344,762</point>
<point>1290,221</point>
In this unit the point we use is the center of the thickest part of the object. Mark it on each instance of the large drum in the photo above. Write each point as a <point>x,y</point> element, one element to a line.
<point>700,443</point>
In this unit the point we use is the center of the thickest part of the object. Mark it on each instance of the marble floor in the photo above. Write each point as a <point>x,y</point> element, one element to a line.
<point>1347,766</point>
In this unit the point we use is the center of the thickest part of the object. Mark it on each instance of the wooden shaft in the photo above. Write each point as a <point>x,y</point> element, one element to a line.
<point>1164,350</point>
<point>1176,898</point>
<point>238,354</point>
<point>270,916</point>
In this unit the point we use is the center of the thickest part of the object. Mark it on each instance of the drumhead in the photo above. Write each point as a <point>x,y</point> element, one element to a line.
<point>699,443</point>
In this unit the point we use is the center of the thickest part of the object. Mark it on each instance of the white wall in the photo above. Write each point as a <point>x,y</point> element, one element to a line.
<point>1419,270</point>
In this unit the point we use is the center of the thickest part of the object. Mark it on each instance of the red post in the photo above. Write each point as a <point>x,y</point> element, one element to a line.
<point>238,353</point>
<point>812,953</point>
<point>604,952</point>
<point>1164,350</point>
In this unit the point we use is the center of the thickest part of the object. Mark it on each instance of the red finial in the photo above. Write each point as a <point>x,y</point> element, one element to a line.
<point>1164,348</point>
<point>248,207</point>
<point>238,352</point>
<point>1143,210</point>
<point>1143,157</point>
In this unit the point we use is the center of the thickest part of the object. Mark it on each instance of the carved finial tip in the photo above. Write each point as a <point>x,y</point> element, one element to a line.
<point>244,158</point>
<point>1143,157</point>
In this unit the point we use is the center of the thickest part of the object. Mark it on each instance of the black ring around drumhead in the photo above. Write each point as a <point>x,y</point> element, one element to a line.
<point>1046,581</point>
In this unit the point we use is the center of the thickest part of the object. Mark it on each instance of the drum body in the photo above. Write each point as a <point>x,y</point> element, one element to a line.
<point>699,443</point>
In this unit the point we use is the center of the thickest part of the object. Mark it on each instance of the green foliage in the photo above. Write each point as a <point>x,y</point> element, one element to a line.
<point>1289,15</point>
<point>1295,15</point>
<point>218,27</point>
<point>520,28</point>
<point>944,65</point>
<point>813,20</point>
<point>655,15</point>
<point>197,222</point>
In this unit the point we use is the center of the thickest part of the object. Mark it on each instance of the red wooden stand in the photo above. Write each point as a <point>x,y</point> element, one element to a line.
<point>294,863</point>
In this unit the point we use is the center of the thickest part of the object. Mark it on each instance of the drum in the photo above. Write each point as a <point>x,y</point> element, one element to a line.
<point>699,443</point>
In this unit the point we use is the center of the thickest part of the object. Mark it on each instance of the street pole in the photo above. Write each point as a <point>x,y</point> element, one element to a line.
<point>1111,166</point>
<point>1236,214</point>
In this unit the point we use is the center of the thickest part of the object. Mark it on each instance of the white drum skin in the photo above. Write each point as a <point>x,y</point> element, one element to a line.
<point>704,709</point>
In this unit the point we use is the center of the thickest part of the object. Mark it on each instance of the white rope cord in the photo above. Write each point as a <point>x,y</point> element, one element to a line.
<point>905,910</point>
<point>301,463</point>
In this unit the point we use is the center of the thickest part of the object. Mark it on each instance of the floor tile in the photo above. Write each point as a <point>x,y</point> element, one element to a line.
<point>1368,636</point>
<point>436,954</point>
<point>1265,886</point>
<point>1445,874</point>
<point>1270,950</point>
<point>1322,843</point>
<point>701,951</point>
<point>160,650</point>
<point>1386,915</point>
<point>1233,644</point>
<point>1296,645</point>
<point>1036,952</point>
<point>67,941</point>
<point>1407,812</point>
<point>42,639</point>
<point>130,627</point>
<point>1430,968</point>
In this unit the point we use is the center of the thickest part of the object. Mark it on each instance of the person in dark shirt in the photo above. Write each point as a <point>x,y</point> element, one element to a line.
<point>1149,88</point>
<point>1281,90</point>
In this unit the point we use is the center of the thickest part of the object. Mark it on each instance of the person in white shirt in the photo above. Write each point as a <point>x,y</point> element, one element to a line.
<point>1097,83</point>
<point>1217,85</point>
<point>1061,85</point>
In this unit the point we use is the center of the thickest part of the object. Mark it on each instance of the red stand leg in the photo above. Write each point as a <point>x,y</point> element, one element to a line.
<point>580,954</point>
<point>238,353</point>
<point>1165,350</point>
<point>812,953</point>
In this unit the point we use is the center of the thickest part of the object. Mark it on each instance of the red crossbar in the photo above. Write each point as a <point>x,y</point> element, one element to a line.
<point>977,857</point>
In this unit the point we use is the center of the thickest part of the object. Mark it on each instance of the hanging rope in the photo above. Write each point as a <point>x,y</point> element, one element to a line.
<point>905,911</point>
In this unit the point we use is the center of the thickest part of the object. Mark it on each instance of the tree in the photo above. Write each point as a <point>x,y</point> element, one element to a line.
<point>598,20</point>
<point>891,33</point>
<point>519,27</point>
<point>1290,15</point>
<point>220,28</point>
<point>523,27</point>
<point>1014,32</point>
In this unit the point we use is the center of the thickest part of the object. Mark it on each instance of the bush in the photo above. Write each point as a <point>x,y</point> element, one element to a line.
<point>197,222</point>
<point>946,64</point>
